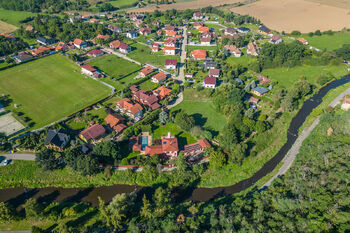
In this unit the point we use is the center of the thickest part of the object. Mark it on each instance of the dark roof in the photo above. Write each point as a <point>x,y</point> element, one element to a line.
<point>23,56</point>
<point>244,29</point>
<point>261,90</point>
<point>56,137</point>
<point>264,29</point>
<point>45,41</point>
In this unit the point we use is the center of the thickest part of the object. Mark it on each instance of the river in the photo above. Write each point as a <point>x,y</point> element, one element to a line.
<point>17,196</point>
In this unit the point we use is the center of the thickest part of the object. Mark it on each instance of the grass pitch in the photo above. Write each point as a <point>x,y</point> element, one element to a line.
<point>50,88</point>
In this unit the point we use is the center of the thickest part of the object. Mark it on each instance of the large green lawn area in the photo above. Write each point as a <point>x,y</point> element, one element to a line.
<point>243,60</point>
<point>115,66</point>
<point>329,42</point>
<point>50,88</point>
<point>288,76</point>
<point>143,54</point>
<point>14,17</point>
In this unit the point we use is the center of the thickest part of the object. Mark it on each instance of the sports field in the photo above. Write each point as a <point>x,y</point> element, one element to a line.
<point>48,89</point>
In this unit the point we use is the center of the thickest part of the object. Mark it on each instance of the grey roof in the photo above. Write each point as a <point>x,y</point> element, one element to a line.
<point>264,29</point>
<point>244,29</point>
<point>261,90</point>
<point>239,81</point>
<point>58,138</point>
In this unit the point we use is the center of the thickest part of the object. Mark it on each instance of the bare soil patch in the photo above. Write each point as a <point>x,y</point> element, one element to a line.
<point>302,15</point>
<point>6,27</point>
<point>186,5</point>
<point>337,3</point>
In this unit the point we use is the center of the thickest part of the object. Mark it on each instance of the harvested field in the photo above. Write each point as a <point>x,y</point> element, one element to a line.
<point>196,4</point>
<point>301,15</point>
<point>337,3</point>
<point>6,28</point>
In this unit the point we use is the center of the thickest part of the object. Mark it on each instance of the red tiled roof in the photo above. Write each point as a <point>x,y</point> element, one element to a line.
<point>60,45</point>
<point>162,92</point>
<point>95,52</point>
<point>210,80</point>
<point>170,144</point>
<point>123,46</point>
<point>93,132</point>
<point>214,72</point>
<point>88,67</point>
<point>203,29</point>
<point>200,145</point>
<point>147,70</point>
<point>171,62</point>
<point>160,76</point>
<point>102,37</point>
<point>113,119</point>
<point>78,41</point>
<point>199,54</point>
<point>119,128</point>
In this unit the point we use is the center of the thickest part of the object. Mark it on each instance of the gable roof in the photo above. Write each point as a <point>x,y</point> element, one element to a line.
<point>113,119</point>
<point>95,52</point>
<point>210,80</point>
<point>264,29</point>
<point>261,90</point>
<point>201,144</point>
<point>203,29</point>
<point>115,44</point>
<point>199,53</point>
<point>88,68</point>
<point>147,70</point>
<point>78,41</point>
<point>123,46</point>
<point>56,137</point>
<point>93,132</point>
<point>232,49</point>
<point>160,76</point>
<point>162,92</point>
<point>171,62</point>
<point>214,72</point>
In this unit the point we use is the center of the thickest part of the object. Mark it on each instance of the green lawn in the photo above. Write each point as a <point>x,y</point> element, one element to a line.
<point>194,47</point>
<point>217,28</point>
<point>243,60</point>
<point>123,3</point>
<point>50,88</point>
<point>287,77</point>
<point>183,137</point>
<point>115,66</point>
<point>143,54</point>
<point>329,42</point>
<point>148,85</point>
<point>14,17</point>
<point>204,114</point>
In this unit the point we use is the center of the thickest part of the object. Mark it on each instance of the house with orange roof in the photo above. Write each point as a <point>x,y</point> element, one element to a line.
<point>119,128</point>
<point>303,41</point>
<point>252,49</point>
<point>93,133</point>
<point>203,29</point>
<point>199,54</point>
<point>61,46</point>
<point>158,78</point>
<point>129,108</point>
<point>30,28</point>
<point>197,15</point>
<point>233,50</point>
<point>162,92</point>
<point>145,71</point>
<point>101,37</point>
<point>169,51</point>
<point>155,47</point>
<point>114,44</point>
<point>41,51</point>
<point>93,20</point>
<point>171,33</point>
<point>80,44</point>
<point>197,147</point>
<point>113,119</point>
<point>197,25</point>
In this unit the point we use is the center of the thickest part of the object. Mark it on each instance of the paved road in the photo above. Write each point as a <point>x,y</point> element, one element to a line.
<point>19,156</point>
<point>181,76</point>
<point>290,157</point>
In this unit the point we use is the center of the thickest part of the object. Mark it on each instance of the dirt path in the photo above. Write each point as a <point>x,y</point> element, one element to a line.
<point>292,153</point>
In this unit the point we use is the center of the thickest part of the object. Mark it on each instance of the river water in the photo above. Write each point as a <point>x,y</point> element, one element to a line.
<point>18,196</point>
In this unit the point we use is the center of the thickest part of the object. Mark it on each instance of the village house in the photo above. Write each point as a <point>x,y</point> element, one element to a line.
<point>275,39</point>
<point>101,37</point>
<point>155,47</point>
<point>199,54</point>
<point>95,53</point>
<point>198,16</point>
<point>114,29</point>
<point>243,30</point>
<point>78,43</point>
<point>206,41</point>
<point>158,78</point>
<point>145,71</point>
<point>124,48</point>
<point>86,17</point>
<point>132,34</point>
<point>156,23</point>
<point>197,25</point>
<point>171,33</point>
<point>169,51</point>
<point>230,32</point>
<point>203,29</point>
<point>113,119</point>
<point>134,89</point>
<point>41,51</point>
<point>114,44</point>
<point>168,146</point>
<point>189,75</point>
<point>139,23</point>
<point>169,28</point>
<point>119,128</point>
<point>209,82</point>
<point>260,91</point>
<point>45,41</point>
<point>264,30</point>
<point>303,41</point>
<point>252,49</point>
<point>206,35</point>
<point>8,36</point>
<point>232,49</point>
<point>132,110</point>
<point>21,57</point>
<point>170,64</point>
<point>29,28</point>
<point>263,80</point>
<point>147,99</point>
<point>94,20</point>
<point>171,42</point>
<point>135,17</point>
<point>196,148</point>
<point>162,92</point>
<point>159,32</point>
<point>61,46</point>
<point>346,104</point>
<point>253,100</point>
<point>209,64</point>
<point>145,31</point>
<point>93,133</point>
<point>90,71</point>
<point>214,73</point>
<point>56,139</point>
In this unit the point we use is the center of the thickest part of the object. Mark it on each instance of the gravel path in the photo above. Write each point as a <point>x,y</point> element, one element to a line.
<point>290,157</point>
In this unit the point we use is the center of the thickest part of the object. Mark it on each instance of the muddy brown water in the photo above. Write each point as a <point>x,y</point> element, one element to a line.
<point>18,196</point>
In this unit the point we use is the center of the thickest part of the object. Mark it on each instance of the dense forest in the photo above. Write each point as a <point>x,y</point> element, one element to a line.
<point>50,6</point>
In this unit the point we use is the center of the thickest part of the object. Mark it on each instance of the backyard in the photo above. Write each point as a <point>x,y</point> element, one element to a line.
<point>49,89</point>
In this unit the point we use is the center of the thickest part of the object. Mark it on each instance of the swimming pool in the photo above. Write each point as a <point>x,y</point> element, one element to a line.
<point>144,142</point>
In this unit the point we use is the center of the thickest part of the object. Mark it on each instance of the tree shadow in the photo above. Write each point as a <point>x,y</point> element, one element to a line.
<point>49,198</point>
<point>22,198</point>
<point>82,220</point>
<point>78,196</point>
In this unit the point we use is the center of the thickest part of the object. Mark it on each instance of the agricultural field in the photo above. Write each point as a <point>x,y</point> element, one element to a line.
<point>302,15</point>
<point>123,3</point>
<point>115,66</point>
<point>49,89</point>
<point>6,27</point>
<point>329,42</point>
<point>14,17</point>
<point>288,76</point>
<point>143,54</point>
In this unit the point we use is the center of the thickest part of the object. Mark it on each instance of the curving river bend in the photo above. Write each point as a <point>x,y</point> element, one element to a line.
<point>18,196</point>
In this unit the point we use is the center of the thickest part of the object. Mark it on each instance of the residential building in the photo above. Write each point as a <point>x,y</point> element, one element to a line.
<point>124,48</point>
<point>169,51</point>
<point>95,53</point>
<point>253,100</point>
<point>21,57</point>
<point>93,133</point>
<point>101,37</point>
<point>196,148</point>
<point>94,20</point>
<point>232,49</point>
<point>41,51</point>
<point>114,28</point>
<point>114,44</point>
<point>45,41</point>
<point>56,139</point>
<point>147,99</point>
<point>197,25</point>
<point>199,54</point>
<point>61,46</point>
<point>171,42</point>
<point>303,41</point>
<point>189,75</point>
<point>206,35</point>
<point>90,71</point>
<point>203,29</point>
<point>162,92</point>
<point>209,82</point>
<point>206,41</point>
<point>129,108</point>
<point>171,64</point>
<point>214,73</point>
<point>210,64</point>
<point>145,31</point>
<point>346,104</point>
<point>171,33</point>
<point>260,91</point>
<point>132,34</point>
<point>169,28</point>
<point>252,49</point>
<point>275,39</point>
<point>158,78</point>
<point>119,128</point>
<point>145,71</point>
<point>80,44</point>
<point>113,119</point>
<point>230,32</point>
<point>263,80</point>
<point>243,30</point>
<point>155,47</point>
<point>198,16</point>
<point>264,30</point>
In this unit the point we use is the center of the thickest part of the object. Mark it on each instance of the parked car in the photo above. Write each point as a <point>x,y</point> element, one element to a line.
<point>6,162</point>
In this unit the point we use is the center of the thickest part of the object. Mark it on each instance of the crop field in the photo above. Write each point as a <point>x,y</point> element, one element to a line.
<point>49,89</point>
<point>6,27</point>
<point>302,15</point>
<point>329,42</point>
<point>115,66</point>
<point>14,17</point>
<point>288,76</point>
